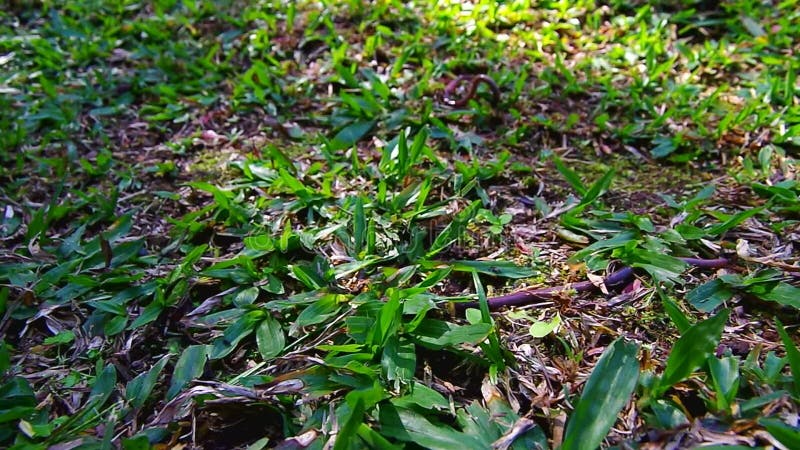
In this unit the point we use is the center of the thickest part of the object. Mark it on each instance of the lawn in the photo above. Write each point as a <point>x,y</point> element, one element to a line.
<point>434,224</point>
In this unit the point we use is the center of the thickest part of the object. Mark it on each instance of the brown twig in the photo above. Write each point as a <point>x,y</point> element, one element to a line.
<point>474,82</point>
<point>615,280</point>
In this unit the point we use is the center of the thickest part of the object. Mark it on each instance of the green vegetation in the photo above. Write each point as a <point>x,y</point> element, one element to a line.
<point>250,224</point>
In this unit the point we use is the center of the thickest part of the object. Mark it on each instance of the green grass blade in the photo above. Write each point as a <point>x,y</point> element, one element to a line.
<point>598,188</point>
<point>673,311</point>
<point>189,366</point>
<point>138,389</point>
<point>607,390</point>
<point>350,134</point>
<point>409,426</point>
<point>455,229</point>
<point>707,297</point>
<point>691,350</point>
<point>359,226</point>
<point>793,355</point>
<point>786,435</point>
<point>570,175</point>
<point>493,350</point>
<point>270,338</point>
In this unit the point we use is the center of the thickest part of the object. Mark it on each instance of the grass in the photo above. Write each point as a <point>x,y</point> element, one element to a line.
<point>255,224</point>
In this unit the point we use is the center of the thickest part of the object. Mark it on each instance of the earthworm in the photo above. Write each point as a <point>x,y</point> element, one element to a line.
<point>474,81</point>
<point>615,280</point>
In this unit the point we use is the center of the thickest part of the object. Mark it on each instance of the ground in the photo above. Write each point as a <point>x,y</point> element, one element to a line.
<point>266,225</point>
